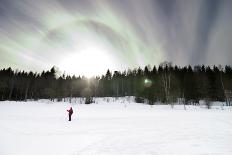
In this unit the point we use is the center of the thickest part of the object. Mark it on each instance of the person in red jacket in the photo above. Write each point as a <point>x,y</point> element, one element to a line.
<point>70,112</point>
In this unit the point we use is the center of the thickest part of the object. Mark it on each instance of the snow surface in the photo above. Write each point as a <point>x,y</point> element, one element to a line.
<point>113,127</point>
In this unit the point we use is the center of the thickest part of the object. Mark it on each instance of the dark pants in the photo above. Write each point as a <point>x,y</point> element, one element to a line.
<point>69,117</point>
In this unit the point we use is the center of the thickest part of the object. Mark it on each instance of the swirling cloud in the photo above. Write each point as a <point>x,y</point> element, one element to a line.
<point>36,35</point>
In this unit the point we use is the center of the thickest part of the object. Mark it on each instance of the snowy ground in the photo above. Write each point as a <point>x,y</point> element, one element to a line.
<point>113,128</point>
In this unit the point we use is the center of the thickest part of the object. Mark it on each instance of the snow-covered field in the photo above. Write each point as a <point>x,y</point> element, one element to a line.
<point>120,127</point>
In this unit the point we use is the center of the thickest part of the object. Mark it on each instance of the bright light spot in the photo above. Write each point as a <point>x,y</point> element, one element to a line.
<point>147,83</point>
<point>88,61</point>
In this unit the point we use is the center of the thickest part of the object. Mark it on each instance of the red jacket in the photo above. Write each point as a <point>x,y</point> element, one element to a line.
<point>70,111</point>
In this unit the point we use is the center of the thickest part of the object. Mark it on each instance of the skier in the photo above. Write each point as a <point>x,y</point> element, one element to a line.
<point>70,112</point>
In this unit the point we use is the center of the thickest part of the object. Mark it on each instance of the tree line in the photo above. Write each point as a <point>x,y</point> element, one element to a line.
<point>165,83</point>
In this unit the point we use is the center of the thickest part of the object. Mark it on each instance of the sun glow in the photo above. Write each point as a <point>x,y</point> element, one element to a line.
<point>89,61</point>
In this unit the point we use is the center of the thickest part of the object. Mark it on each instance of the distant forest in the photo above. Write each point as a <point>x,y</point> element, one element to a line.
<point>164,83</point>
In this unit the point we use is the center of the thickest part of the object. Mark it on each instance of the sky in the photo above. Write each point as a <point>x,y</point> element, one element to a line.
<point>87,37</point>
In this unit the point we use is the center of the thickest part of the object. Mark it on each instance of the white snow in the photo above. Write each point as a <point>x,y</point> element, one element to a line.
<point>113,128</point>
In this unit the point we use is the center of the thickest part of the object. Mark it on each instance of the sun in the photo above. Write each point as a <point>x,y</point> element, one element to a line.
<point>89,59</point>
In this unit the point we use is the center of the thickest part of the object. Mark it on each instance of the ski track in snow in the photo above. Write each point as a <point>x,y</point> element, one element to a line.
<point>113,128</point>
